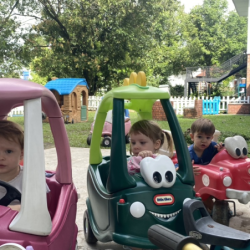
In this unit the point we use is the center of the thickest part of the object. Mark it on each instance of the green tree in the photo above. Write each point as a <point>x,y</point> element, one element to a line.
<point>213,35</point>
<point>166,56</point>
<point>102,41</point>
<point>11,52</point>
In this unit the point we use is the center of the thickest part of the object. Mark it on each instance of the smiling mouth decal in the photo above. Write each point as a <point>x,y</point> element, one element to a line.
<point>165,216</point>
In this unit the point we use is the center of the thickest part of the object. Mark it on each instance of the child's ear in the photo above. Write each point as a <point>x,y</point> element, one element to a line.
<point>157,144</point>
<point>192,136</point>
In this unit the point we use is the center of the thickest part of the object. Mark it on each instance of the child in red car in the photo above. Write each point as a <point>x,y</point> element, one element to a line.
<point>203,149</point>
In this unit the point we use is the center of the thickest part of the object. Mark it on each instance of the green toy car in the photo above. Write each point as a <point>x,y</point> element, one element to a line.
<point>121,207</point>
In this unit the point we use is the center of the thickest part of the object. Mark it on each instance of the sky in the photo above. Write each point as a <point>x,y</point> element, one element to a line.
<point>189,4</point>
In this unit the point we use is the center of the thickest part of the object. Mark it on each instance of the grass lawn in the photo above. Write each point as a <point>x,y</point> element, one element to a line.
<point>228,125</point>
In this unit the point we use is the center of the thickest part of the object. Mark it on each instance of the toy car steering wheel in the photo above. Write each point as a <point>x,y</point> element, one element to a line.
<point>12,194</point>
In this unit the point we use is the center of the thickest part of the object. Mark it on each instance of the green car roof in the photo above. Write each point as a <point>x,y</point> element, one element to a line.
<point>140,99</point>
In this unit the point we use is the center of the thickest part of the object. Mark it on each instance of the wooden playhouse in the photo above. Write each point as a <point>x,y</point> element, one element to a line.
<point>72,97</point>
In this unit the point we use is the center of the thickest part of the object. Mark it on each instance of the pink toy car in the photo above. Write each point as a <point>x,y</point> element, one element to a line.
<point>107,129</point>
<point>45,222</point>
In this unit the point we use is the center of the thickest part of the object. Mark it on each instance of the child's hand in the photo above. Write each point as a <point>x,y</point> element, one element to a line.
<point>196,169</point>
<point>15,207</point>
<point>219,146</point>
<point>145,153</point>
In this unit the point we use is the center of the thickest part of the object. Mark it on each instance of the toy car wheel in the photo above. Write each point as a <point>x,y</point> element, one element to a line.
<point>89,139</point>
<point>127,139</point>
<point>88,233</point>
<point>106,142</point>
<point>220,212</point>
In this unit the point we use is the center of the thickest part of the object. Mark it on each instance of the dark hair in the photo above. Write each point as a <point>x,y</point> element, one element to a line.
<point>203,125</point>
<point>12,132</point>
<point>153,131</point>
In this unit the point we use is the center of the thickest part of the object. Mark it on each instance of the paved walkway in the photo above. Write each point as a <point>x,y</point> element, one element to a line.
<point>80,162</point>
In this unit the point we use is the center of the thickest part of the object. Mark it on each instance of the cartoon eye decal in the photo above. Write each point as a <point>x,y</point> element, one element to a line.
<point>237,152</point>
<point>244,151</point>
<point>157,177</point>
<point>158,172</point>
<point>236,146</point>
<point>169,176</point>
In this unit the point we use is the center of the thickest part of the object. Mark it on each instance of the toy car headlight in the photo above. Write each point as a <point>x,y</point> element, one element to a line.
<point>11,246</point>
<point>236,146</point>
<point>137,209</point>
<point>227,181</point>
<point>158,172</point>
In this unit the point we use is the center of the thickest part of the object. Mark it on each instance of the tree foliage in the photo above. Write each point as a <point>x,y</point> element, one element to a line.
<point>104,41</point>
<point>11,53</point>
<point>213,35</point>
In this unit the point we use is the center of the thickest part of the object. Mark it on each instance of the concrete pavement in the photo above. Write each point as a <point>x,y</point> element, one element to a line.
<point>80,162</point>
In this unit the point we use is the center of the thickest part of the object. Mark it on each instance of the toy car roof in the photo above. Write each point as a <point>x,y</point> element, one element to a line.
<point>141,99</point>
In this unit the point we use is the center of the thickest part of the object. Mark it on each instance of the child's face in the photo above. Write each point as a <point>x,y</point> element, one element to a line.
<point>10,155</point>
<point>201,140</point>
<point>140,142</point>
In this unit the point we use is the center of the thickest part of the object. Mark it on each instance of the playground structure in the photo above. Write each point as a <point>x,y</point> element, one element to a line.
<point>72,97</point>
<point>214,74</point>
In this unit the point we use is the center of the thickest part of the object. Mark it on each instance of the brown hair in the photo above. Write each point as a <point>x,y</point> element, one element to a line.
<point>153,131</point>
<point>203,125</point>
<point>12,132</point>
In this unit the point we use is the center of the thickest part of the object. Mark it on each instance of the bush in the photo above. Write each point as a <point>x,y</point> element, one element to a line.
<point>177,90</point>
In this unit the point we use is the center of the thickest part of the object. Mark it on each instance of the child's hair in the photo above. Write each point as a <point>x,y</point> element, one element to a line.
<point>153,131</point>
<point>203,125</point>
<point>12,132</point>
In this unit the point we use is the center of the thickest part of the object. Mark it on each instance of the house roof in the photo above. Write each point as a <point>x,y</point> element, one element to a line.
<point>241,7</point>
<point>65,86</point>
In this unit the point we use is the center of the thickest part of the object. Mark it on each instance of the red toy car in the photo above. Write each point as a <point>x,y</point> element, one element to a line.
<point>227,176</point>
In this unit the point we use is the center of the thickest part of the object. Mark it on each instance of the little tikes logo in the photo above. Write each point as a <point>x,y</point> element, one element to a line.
<point>163,199</point>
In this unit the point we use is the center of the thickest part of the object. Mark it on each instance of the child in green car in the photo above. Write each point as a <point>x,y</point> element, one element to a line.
<point>146,138</point>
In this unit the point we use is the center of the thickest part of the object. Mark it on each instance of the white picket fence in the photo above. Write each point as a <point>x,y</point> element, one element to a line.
<point>179,103</point>
<point>94,102</point>
<point>19,111</point>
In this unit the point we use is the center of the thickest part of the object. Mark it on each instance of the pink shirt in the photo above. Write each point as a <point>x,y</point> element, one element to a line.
<point>134,164</point>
